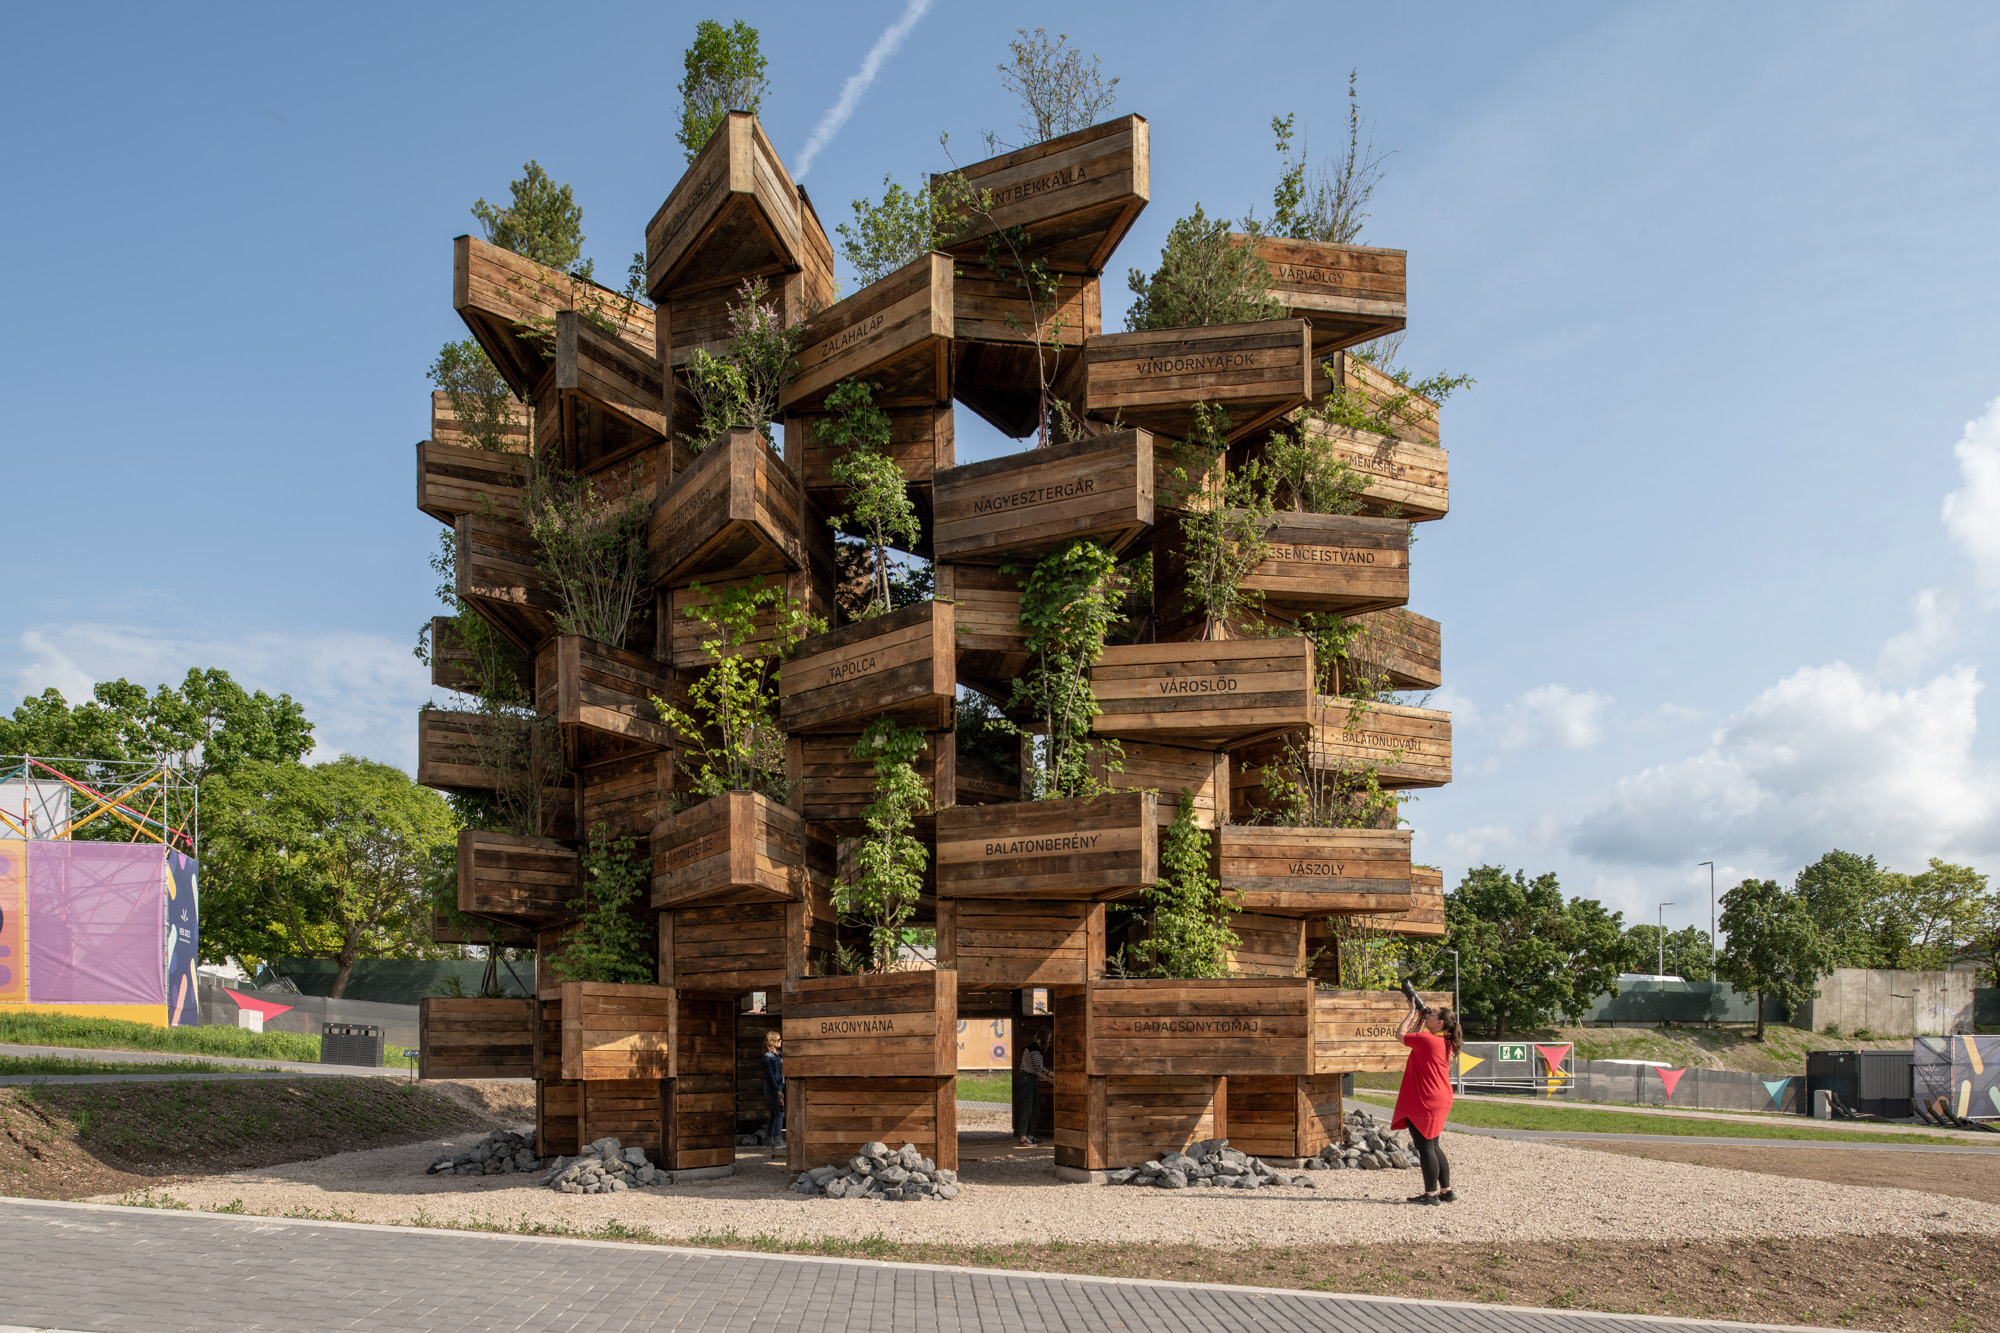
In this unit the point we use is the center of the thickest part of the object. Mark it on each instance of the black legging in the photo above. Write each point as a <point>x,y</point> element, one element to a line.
<point>1027,1104</point>
<point>1430,1156</point>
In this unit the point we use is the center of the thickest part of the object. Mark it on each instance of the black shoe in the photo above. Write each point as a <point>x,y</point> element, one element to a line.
<point>1429,1199</point>
<point>1447,1196</point>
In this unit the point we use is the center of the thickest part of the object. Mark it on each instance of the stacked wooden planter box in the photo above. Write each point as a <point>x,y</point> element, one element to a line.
<point>742,884</point>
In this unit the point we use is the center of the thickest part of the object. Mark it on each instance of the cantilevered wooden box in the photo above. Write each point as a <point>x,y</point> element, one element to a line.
<point>475,1038</point>
<point>498,578</point>
<point>736,511</point>
<point>871,1057</point>
<point>1410,479</point>
<point>510,304</point>
<point>1405,746</point>
<point>1338,563</point>
<point>603,401</point>
<point>681,637</point>
<point>1025,504</point>
<point>602,697</point>
<point>616,1030</point>
<point>1222,693</point>
<point>1001,942</point>
<point>736,848</point>
<point>901,664</point>
<point>1399,649</point>
<point>1348,293</point>
<point>1083,849</point>
<point>734,214</point>
<point>454,479</point>
<point>894,333</point>
<point>446,428</point>
<point>741,947</point>
<point>531,881</point>
<point>1076,195</point>
<point>1254,372</point>
<point>1007,346</point>
<point>1278,870</point>
<point>457,748</point>
<point>837,787</point>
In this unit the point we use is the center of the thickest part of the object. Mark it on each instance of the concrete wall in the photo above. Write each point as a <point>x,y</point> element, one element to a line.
<point>1864,997</point>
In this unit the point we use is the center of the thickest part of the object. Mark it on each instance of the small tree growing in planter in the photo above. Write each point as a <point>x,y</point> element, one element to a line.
<point>1191,937</point>
<point>731,722</point>
<point>1069,602</point>
<point>878,498</point>
<point>608,942</point>
<point>887,877</point>
<point>1222,526</point>
<point>740,388</point>
<point>591,545</point>
<point>482,404</point>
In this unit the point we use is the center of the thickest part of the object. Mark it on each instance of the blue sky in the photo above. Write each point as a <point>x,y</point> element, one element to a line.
<point>1722,571</point>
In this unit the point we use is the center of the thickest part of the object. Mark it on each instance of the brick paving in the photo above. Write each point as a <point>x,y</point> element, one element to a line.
<point>93,1268</point>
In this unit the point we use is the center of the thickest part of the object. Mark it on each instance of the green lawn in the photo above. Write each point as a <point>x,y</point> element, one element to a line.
<point>1575,1119</point>
<point>985,1088</point>
<point>41,1065</point>
<point>111,1034</point>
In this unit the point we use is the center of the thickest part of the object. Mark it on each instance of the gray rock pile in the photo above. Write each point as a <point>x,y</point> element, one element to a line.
<point>903,1176</point>
<point>1371,1146</point>
<point>604,1168</point>
<point>1210,1164</point>
<point>501,1151</point>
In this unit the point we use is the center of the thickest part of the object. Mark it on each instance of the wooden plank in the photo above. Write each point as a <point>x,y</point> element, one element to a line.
<point>1407,479</point>
<point>1395,649</point>
<point>602,693</point>
<point>556,1106</point>
<point>634,1111</point>
<point>1416,421</point>
<point>741,947</point>
<point>1348,293</point>
<point>702,1109</point>
<point>879,1025</point>
<point>510,303</point>
<point>1329,563</point>
<point>498,578</point>
<point>991,647</point>
<point>475,1038</point>
<point>1000,942</point>
<point>1283,871</point>
<point>1024,504</point>
<point>922,443</point>
<point>1170,770</point>
<point>1354,1031</point>
<point>454,666</point>
<point>1147,1117</point>
<point>1241,1025</point>
<point>618,1031</point>
<point>1097,848</point>
<point>530,881</point>
<point>736,511</point>
<point>737,847</point>
<point>457,749</point>
<point>1423,917</point>
<point>838,788</point>
<point>902,665</point>
<point>681,637</point>
<point>895,333</point>
<point>447,430</point>
<point>611,396</point>
<point>454,480</point>
<point>1406,746</point>
<point>1077,195</point>
<point>1255,372</point>
<point>625,793</point>
<point>1222,692</point>
<point>734,214</point>
<point>1267,946</point>
<point>828,1119</point>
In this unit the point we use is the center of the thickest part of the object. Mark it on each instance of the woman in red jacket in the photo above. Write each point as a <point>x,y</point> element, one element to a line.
<point>1434,1039</point>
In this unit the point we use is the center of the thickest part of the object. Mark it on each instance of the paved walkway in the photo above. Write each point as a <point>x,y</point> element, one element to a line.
<point>178,1057</point>
<point>98,1268</point>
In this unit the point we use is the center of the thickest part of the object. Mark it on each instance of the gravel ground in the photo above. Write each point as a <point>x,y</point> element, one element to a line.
<point>1511,1191</point>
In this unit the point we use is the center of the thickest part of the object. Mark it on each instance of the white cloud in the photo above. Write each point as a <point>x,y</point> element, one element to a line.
<point>1827,757</point>
<point>857,84</point>
<point>361,691</point>
<point>1555,715</point>
<point>1972,512</point>
<point>1933,629</point>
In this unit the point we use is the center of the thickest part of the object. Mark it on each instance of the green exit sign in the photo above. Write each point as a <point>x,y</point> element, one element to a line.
<point>1516,1053</point>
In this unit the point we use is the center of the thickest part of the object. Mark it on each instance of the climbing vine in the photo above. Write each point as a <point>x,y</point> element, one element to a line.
<point>730,723</point>
<point>1069,602</point>
<point>877,497</point>
<point>881,890</point>
<point>608,942</point>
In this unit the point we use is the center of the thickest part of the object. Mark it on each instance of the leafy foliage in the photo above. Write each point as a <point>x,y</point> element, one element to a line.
<point>480,400</point>
<point>1323,204</point>
<point>889,863</point>
<point>1402,412</point>
<point>1205,276</point>
<point>1191,936</point>
<point>731,722</point>
<point>899,230</point>
<point>740,388</point>
<point>1069,602</point>
<point>207,725</point>
<point>1774,946</point>
<point>1526,953</point>
<point>1686,950</point>
<point>608,942</point>
<point>543,223</point>
<point>1060,90</point>
<point>590,542</point>
<point>724,72</point>
<point>877,494</point>
<point>1223,526</point>
<point>1307,476</point>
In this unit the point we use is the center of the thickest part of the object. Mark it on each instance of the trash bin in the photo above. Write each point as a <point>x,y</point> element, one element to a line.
<point>350,1044</point>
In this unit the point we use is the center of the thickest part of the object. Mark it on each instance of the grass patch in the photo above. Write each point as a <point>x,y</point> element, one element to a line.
<point>985,1088</point>
<point>114,1034</point>
<point>43,1065</point>
<point>1577,1120</point>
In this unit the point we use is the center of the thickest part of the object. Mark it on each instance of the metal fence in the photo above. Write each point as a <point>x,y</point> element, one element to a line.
<point>1544,1068</point>
<point>1648,1003</point>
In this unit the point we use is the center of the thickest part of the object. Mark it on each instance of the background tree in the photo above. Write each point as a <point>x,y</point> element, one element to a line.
<point>1687,951</point>
<point>1596,950</point>
<point>1774,945</point>
<point>1061,90</point>
<point>543,223</point>
<point>1205,277</point>
<point>1511,934</point>
<point>1843,895</point>
<point>724,72</point>
<point>480,400</point>
<point>900,229</point>
<point>324,861</point>
<point>1942,910</point>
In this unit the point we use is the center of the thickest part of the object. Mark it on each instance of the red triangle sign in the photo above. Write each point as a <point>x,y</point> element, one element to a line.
<point>1670,1077</point>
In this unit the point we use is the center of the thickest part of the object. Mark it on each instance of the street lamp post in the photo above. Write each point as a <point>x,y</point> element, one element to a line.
<point>1663,937</point>
<point>1711,919</point>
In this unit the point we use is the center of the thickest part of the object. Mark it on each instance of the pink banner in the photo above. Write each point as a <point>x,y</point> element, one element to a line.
<point>1670,1077</point>
<point>98,910</point>
<point>13,919</point>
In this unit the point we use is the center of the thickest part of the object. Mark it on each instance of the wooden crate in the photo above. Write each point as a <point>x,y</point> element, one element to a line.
<point>991,648</point>
<point>453,480</point>
<point>557,1102</point>
<point>475,1038</point>
<point>1267,946</point>
<point>1077,195</point>
<point>445,428</point>
<point>1329,563</point>
<point>1102,847</point>
<point>984,781</point>
<point>838,788</point>
<point>482,933</point>
<point>626,793</point>
<point>1237,1025</point>
<point>1348,293</point>
<point>998,369</point>
<point>1283,871</point>
<point>871,1057</point>
<point>998,942</point>
<point>455,748</point>
<point>1284,1116</point>
<point>1409,479</point>
<point>615,1030</point>
<point>739,847</point>
<point>895,333</point>
<point>1170,770</point>
<point>510,303</point>
<point>1407,747</point>
<point>1221,692</point>
<point>922,441</point>
<point>498,579</point>
<point>828,1120</point>
<point>1425,915</point>
<point>1255,372</point>
<point>1417,423</point>
<point>742,947</point>
<point>680,636</point>
<point>902,664</point>
<point>634,1111</point>
<point>1104,1123</point>
<point>1354,1031</point>
<point>702,1125</point>
<point>531,881</point>
<point>734,214</point>
<point>1021,505</point>
<point>453,666</point>
<point>603,402</point>
<point>1399,647</point>
<point>736,511</point>
<point>602,697</point>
